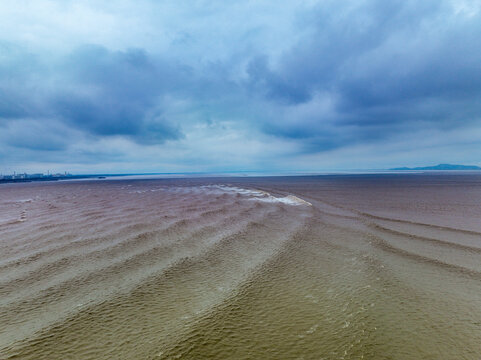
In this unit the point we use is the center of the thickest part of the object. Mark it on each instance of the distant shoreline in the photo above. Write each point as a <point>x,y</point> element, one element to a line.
<point>440,167</point>
<point>54,178</point>
<point>397,171</point>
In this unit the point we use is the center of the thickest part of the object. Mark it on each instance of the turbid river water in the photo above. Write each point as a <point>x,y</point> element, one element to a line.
<point>328,267</point>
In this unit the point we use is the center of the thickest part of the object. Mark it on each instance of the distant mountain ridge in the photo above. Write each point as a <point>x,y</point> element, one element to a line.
<point>441,167</point>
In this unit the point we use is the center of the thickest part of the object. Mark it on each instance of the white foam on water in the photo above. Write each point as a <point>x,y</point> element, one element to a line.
<point>18,201</point>
<point>259,195</point>
<point>250,194</point>
<point>289,200</point>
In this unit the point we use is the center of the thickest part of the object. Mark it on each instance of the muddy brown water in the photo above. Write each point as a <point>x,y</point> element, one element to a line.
<point>328,267</point>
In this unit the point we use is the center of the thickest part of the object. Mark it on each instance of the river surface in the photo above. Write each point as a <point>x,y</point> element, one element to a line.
<point>321,267</point>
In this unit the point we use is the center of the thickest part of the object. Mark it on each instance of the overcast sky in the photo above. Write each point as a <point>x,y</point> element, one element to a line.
<point>187,86</point>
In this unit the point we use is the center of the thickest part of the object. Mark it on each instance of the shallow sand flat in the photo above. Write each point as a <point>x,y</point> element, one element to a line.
<point>332,267</point>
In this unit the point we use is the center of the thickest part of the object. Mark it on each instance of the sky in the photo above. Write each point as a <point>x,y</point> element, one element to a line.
<point>146,86</point>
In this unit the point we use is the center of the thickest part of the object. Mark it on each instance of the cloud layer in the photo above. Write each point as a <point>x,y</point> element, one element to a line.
<point>224,86</point>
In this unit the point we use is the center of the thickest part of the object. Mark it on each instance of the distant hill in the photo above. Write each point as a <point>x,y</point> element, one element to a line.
<point>441,167</point>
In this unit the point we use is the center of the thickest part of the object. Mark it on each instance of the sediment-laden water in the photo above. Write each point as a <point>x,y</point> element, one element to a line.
<point>331,267</point>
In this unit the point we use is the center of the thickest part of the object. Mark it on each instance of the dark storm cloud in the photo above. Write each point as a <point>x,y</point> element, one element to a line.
<point>390,65</point>
<point>102,92</point>
<point>18,68</point>
<point>117,93</point>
